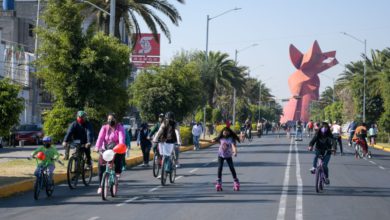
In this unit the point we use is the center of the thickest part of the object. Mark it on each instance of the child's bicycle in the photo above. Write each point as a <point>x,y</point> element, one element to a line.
<point>109,179</point>
<point>168,167</point>
<point>77,167</point>
<point>43,180</point>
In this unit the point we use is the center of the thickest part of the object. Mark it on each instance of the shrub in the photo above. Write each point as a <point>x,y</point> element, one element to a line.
<point>186,135</point>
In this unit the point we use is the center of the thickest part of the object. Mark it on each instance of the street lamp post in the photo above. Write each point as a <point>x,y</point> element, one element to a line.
<point>207,52</point>
<point>364,70</point>
<point>234,89</point>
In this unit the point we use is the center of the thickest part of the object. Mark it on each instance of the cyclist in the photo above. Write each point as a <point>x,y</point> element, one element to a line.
<point>110,135</point>
<point>168,134</point>
<point>299,130</point>
<point>310,128</point>
<point>154,131</point>
<point>336,132</point>
<point>81,129</point>
<point>351,129</point>
<point>323,141</point>
<point>248,128</point>
<point>51,154</point>
<point>361,134</point>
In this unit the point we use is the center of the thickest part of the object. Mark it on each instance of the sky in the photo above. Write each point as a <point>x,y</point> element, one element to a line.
<point>274,25</point>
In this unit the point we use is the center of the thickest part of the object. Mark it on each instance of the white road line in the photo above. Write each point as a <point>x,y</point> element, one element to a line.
<point>283,197</point>
<point>127,201</point>
<point>215,159</point>
<point>178,177</point>
<point>94,218</point>
<point>194,170</point>
<point>205,165</point>
<point>372,162</point>
<point>382,168</point>
<point>299,205</point>
<point>154,189</point>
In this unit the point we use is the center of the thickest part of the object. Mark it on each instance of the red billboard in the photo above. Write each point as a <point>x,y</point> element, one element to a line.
<point>146,51</point>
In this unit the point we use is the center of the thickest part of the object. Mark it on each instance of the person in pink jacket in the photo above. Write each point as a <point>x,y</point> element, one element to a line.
<point>110,135</point>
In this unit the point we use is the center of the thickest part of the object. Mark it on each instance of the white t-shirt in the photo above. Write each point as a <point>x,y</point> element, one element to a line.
<point>336,129</point>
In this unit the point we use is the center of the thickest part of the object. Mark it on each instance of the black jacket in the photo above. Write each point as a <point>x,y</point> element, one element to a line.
<point>322,143</point>
<point>76,131</point>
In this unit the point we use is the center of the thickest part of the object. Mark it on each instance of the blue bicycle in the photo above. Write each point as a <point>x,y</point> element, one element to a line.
<point>168,167</point>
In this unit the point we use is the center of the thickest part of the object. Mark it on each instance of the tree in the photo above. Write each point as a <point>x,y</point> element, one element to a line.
<point>82,71</point>
<point>175,88</point>
<point>129,10</point>
<point>10,106</point>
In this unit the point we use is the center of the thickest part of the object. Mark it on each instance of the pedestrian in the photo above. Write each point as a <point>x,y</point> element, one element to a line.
<point>372,134</point>
<point>336,132</point>
<point>196,132</point>
<point>299,131</point>
<point>128,145</point>
<point>227,140</point>
<point>351,129</point>
<point>110,135</point>
<point>145,143</point>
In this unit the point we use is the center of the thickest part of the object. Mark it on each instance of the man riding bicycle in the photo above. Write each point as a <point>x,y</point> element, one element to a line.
<point>360,135</point>
<point>81,129</point>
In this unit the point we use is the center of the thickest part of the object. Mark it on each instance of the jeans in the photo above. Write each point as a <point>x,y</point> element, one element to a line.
<point>337,139</point>
<point>351,133</point>
<point>146,153</point>
<point>231,166</point>
<point>325,161</point>
<point>196,142</point>
<point>299,133</point>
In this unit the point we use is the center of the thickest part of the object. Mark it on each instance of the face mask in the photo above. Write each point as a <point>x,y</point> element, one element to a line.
<point>80,120</point>
<point>324,130</point>
<point>46,145</point>
<point>111,122</point>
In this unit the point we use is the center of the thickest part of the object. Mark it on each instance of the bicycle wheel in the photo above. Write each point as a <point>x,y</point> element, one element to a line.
<point>37,187</point>
<point>105,185</point>
<point>72,172</point>
<point>318,180</point>
<point>87,173</point>
<point>164,174</point>
<point>172,174</point>
<point>49,186</point>
<point>114,186</point>
<point>360,151</point>
<point>156,165</point>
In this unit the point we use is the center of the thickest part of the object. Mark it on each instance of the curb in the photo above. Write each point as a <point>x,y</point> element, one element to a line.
<point>27,185</point>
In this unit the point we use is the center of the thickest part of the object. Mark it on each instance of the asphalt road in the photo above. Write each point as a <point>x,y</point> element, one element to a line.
<point>275,184</point>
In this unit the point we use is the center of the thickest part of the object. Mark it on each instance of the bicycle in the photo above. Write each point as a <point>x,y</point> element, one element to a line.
<point>42,180</point>
<point>168,167</point>
<point>109,179</point>
<point>77,166</point>
<point>156,162</point>
<point>320,173</point>
<point>359,149</point>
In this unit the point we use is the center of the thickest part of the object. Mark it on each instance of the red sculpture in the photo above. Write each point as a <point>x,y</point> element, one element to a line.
<point>304,83</point>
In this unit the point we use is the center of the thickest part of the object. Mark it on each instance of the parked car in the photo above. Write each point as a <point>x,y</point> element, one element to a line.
<point>29,133</point>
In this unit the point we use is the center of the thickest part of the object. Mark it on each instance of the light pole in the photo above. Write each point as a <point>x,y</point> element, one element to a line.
<point>111,14</point>
<point>207,52</point>
<point>234,89</point>
<point>364,70</point>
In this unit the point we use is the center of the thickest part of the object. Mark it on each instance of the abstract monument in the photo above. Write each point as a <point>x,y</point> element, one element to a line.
<point>304,83</point>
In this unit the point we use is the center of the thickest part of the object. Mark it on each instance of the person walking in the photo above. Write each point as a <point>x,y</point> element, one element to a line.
<point>110,135</point>
<point>372,134</point>
<point>197,130</point>
<point>145,143</point>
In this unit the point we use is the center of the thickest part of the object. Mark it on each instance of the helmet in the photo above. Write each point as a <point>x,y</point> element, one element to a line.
<point>46,139</point>
<point>161,115</point>
<point>170,116</point>
<point>81,114</point>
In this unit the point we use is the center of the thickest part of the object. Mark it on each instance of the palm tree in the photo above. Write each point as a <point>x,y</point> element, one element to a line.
<point>129,10</point>
<point>220,72</point>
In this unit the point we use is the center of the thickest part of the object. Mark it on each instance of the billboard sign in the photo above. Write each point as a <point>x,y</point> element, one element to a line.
<point>146,51</point>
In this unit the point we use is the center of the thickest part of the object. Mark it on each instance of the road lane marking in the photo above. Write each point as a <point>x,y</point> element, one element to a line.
<point>372,162</point>
<point>299,205</point>
<point>215,159</point>
<point>178,177</point>
<point>205,165</point>
<point>94,218</point>
<point>127,201</point>
<point>283,197</point>
<point>382,168</point>
<point>154,189</point>
<point>194,170</point>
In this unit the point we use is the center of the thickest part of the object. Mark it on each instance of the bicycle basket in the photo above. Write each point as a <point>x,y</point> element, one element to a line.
<point>110,146</point>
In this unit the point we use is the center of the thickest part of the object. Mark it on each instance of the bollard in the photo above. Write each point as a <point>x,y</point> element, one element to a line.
<point>21,143</point>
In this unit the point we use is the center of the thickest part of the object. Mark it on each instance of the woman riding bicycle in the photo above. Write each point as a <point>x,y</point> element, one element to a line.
<point>323,141</point>
<point>110,135</point>
<point>169,134</point>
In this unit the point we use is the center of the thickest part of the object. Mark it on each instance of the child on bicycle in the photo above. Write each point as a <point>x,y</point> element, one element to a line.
<point>323,141</point>
<point>227,149</point>
<point>51,154</point>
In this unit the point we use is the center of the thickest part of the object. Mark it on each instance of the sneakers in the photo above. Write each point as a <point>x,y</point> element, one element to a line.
<point>326,181</point>
<point>312,170</point>
<point>99,191</point>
